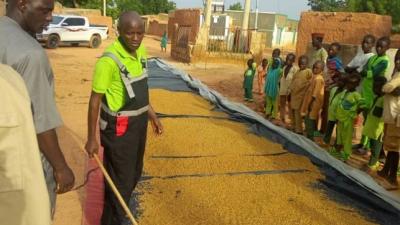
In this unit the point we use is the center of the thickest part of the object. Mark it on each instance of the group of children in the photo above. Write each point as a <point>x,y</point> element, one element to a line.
<point>332,95</point>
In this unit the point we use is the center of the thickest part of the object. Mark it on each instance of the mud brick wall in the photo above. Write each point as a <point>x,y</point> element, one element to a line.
<point>157,28</point>
<point>184,17</point>
<point>342,27</point>
<point>181,54</point>
<point>395,41</point>
<point>2,8</point>
<point>102,20</point>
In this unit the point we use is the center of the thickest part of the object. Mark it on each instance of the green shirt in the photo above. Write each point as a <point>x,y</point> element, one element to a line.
<point>248,78</point>
<point>376,66</point>
<point>348,106</point>
<point>373,127</point>
<point>334,99</point>
<point>107,79</point>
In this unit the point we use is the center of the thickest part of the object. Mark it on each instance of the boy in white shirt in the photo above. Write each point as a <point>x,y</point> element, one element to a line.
<point>361,59</point>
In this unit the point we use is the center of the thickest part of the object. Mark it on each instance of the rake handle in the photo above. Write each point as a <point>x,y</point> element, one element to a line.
<point>115,190</point>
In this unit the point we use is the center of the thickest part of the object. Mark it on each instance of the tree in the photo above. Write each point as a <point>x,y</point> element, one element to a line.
<point>382,7</point>
<point>236,6</point>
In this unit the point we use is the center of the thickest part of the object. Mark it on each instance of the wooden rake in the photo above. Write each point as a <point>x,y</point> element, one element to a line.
<point>109,181</point>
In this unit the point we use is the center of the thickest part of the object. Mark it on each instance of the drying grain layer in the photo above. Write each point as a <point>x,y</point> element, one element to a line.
<point>213,171</point>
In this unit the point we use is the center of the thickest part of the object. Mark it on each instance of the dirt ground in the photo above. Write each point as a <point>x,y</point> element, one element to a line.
<point>73,67</point>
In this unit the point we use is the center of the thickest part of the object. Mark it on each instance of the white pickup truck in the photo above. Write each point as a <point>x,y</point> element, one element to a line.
<point>73,30</point>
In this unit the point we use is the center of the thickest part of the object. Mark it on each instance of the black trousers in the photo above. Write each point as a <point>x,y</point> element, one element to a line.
<point>123,160</point>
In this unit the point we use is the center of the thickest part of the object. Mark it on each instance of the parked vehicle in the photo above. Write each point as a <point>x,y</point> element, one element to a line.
<point>72,30</point>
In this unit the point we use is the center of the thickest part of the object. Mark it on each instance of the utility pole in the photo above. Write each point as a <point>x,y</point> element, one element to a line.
<point>104,7</point>
<point>256,22</point>
<point>207,14</point>
<point>246,15</point>
<point>245,27</point>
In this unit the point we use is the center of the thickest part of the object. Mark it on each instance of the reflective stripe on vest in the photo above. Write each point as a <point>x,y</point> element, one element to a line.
<point>129,113</point>
<point>126,77</point>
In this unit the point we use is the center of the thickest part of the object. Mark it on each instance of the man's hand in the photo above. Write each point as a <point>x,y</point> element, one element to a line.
<point>157,126</point>
<point>65,180</point>
<point>92,147</point>
<point>155,122</point>
<point>48,144</point>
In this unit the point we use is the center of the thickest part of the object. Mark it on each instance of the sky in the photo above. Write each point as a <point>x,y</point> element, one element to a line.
<point>292,8</point>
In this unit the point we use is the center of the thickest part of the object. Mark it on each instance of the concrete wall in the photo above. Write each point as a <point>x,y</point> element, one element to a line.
<point>266,21</point>
<point>342,27</point>
<point>288,40</point>
<point>157,28</point>
<point>279,29</point>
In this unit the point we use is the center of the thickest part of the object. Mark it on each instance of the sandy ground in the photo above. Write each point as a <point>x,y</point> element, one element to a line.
<point>73,67</point>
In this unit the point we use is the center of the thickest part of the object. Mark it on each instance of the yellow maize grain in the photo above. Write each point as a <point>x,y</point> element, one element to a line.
<point>195,175</point>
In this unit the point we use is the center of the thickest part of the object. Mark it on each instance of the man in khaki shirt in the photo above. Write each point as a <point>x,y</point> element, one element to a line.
<point>24,199</point>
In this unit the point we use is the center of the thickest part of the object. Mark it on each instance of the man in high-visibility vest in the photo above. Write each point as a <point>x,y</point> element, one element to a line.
<point>120,93</point>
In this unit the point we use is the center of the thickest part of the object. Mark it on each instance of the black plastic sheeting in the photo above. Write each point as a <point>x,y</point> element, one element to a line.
<point>342,182</point>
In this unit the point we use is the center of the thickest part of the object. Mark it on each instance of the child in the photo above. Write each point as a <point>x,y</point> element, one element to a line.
<point>373,127</point>
<point>288,71</point>
<point>313,100</point>
<point>334,64</point>
<point>376,66</point>
<point>334,68</point>
<point>360,60</point>
<point>319,53</point>
<point>276,54</point>
<point>272,88</point>
<point>391,117</point>
<point>248,81</point>
<point>164,42</point>
<point>261,73</point>
<point>357,65</point>
<point>298,88</point>
<point>335,95</point>
<point>347,110</point>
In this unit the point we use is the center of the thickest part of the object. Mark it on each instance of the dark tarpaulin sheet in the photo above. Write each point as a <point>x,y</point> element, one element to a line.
<point>343,182</point>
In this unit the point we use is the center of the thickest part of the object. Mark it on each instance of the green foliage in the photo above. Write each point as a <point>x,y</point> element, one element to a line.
<point>382,7</point>
<point>115,7</point>
<point>236,6</point>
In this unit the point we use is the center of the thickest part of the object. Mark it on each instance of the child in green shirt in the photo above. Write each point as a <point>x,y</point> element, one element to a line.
<point>248,80</point>
<point>348,108</point>
<point>373,127</point>
<point>335,95</point>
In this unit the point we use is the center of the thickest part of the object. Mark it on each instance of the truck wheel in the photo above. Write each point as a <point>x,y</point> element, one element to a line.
<point>95,41</point>
<point>52,41</point>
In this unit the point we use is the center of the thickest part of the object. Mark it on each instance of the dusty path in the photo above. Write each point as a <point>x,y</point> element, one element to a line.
<point>73,67</point>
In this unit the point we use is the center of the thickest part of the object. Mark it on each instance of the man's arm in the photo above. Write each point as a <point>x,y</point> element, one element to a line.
<point>48,144</point>
<point>38,76</point>
<point>155,122</point>
<point>92,146</point>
